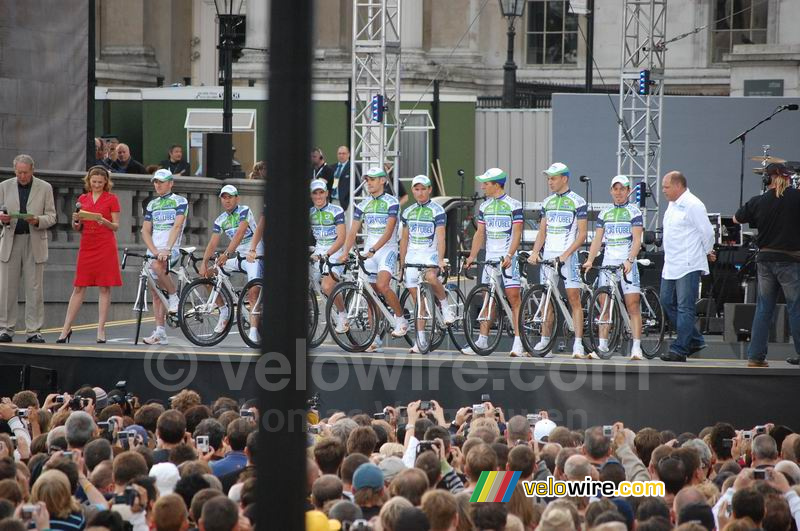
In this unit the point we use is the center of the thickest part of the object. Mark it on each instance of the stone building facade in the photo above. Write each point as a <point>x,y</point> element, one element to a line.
<point>146,42</point>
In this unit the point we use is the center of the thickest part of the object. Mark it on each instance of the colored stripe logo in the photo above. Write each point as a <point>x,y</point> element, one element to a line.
<point>495,486</point>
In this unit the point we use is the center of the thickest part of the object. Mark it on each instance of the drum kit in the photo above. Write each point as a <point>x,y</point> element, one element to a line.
<point>765,159</point>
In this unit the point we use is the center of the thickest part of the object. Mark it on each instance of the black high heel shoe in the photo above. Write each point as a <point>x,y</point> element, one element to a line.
<point>101,340</point>
<point>66,338</point>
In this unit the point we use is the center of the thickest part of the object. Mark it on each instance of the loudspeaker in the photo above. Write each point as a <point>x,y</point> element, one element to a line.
<point>11,379</point>
<point>740,317</point>
<point>218,155</point>
<point>14,378</point>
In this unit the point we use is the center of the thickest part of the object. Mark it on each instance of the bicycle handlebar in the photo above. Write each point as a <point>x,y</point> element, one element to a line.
<point>146,257</point>
<point>556,264</point>
<point>644,262</point>
<point>421,266</point>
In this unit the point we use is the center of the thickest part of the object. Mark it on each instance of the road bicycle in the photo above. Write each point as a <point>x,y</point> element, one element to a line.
<point>608,316</point>
<point>427,328</point>
<point>482,306</point>
<point>182,279</point>
<point>202,301</point>
<point>545,310</point>
<point>366,315</point>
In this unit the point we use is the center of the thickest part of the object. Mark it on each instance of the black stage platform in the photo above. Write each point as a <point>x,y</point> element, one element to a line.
<point>577,393</point>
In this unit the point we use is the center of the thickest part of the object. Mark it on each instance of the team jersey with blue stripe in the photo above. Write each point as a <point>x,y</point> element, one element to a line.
<point>617,223</point>
<point>562,212</point>
<point>374,214</point>
<point>228,222</point>
<point>162,213</point>
<point>422,220</point>
<point>324,222</point>
<point>498,215</point>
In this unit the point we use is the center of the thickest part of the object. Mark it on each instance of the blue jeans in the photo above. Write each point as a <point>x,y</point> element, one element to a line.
<point>678,297</point>
<point>771,277</point>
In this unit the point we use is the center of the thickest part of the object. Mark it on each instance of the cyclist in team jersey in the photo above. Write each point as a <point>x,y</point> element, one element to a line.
<point>327,227</point>
<point>239,225</point>
<point>500,226</point>
<point>378,215</point>
<point>562,231</point>
<point>620,227</point>
<point>258,239</point>
<point>162,231</point>
<point>422,241</point>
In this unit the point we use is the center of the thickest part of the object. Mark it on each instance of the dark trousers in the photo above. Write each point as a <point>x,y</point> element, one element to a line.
<point>771,277</point>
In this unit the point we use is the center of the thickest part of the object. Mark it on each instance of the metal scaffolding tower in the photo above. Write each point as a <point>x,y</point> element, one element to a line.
<point>640,97</point>
<point>375,96</point>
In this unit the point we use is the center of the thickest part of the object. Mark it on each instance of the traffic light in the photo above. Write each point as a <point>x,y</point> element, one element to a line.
<point>644,82</point>
<point>377,108</point>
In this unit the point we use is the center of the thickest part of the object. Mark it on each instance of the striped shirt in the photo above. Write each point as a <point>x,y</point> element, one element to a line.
<point>74,522</point>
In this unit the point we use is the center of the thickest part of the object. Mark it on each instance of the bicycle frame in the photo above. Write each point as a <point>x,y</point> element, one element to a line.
<point>494,283</point>
<point>362,286</point>
<point>144,274</point>
<point>620,301</point>
<point>495,273</point>
<point>554,292</point>
<point>437,314</point>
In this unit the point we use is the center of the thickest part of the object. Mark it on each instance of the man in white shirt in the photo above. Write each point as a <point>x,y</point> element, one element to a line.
<point>688,247</point>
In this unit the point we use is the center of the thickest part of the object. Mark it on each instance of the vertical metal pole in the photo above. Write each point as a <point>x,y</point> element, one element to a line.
<point>348,126</point>
<point>91,83</point>
<point>435,119</point>
<point>510,71</point>
<point>227,95</point>
<point>282,431</point>
<point>589,44</point>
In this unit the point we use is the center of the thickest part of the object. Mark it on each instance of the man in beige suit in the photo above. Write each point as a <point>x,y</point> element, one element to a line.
<point>27,210</point>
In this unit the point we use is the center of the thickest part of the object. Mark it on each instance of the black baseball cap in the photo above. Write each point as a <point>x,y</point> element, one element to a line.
<point>777,168</point>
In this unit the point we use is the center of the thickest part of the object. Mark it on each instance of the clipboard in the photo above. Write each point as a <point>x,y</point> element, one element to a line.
<point>89,216</point>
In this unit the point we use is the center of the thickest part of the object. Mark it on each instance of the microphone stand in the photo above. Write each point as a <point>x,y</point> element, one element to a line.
<point>521,183</point>
<point>742,137</point>
<point>461,174</point>
<point>588,182</point>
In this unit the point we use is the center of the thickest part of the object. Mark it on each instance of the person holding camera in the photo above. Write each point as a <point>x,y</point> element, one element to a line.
<point>776,215</point>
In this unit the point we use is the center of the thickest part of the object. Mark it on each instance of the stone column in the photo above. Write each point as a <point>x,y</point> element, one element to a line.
<point>124,58</point>
<point>252,65</point>
<point>203,55</point>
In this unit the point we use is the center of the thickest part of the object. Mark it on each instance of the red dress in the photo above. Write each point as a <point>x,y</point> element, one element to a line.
<point>98,261</point>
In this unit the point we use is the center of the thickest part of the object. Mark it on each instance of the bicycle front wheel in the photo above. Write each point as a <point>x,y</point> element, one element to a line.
<point>483,316</point>
<point>455,300</point>
<point>569,335</point>
<point>201,315</point>
<point>317,318</point>
<point>653,323</point>
<point>425,324</point>
<point>250,310</point>
<point>359,317</point>
<point>605,322</point>
<point>139,308</point>
<point>538,320</point>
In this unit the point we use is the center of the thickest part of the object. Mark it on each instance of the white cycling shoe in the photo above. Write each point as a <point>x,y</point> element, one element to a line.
<point>448,315</point>
<point>400,327</point>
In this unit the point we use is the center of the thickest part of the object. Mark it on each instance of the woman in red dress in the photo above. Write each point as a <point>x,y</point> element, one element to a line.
<point>98,262</point>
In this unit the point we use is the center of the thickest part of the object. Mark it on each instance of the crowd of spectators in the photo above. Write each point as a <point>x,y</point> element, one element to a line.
<point>116,157</point>
<point>104,460</point>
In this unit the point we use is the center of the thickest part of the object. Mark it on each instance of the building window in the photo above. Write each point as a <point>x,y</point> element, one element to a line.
<point>737,22</point>
<point>552,33</point>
